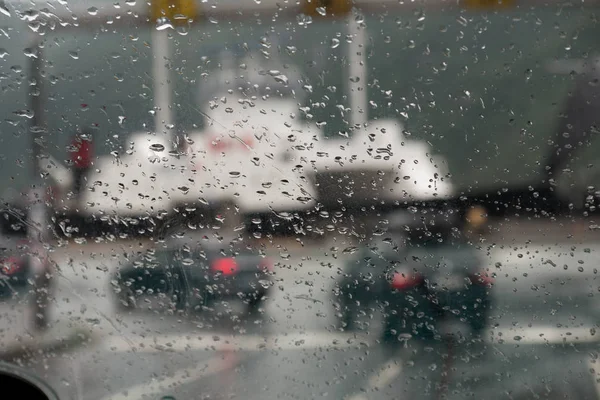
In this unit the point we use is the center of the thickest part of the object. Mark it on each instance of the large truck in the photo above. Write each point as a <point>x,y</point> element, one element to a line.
<point>190,118</point>
<point>196,112</point>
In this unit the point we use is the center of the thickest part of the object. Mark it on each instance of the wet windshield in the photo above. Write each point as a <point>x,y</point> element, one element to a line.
<point>348,200</point>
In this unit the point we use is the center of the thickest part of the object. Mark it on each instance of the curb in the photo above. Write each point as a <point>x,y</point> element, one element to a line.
<point>33,346</point>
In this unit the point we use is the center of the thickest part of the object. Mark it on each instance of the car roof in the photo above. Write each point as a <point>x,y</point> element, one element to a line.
<point>416,219</point>
<point>208,241</point>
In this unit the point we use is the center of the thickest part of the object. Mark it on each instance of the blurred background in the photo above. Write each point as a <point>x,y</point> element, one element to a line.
<point>348,199</point>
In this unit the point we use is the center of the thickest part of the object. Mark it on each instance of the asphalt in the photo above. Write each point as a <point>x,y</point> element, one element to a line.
<point>543,329</point>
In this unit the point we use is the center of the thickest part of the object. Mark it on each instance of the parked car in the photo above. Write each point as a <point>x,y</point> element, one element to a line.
<point>426,273</point>
<point>14,265</point>
<point>193,273</point>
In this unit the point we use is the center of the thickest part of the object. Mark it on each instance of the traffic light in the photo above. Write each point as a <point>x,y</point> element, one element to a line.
<point>327,8</point>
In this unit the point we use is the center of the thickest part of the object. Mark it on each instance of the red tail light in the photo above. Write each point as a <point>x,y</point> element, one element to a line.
<point>402,281</point>
<point>226,266</point>
<point>11,265</point>
<point>482,278</point>
<point>266,265</point>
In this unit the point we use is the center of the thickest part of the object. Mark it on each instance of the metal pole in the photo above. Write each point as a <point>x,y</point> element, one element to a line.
<point>357,70</point>
<point>161,49</point>
<point>38,214</point>
<point>36,124</point>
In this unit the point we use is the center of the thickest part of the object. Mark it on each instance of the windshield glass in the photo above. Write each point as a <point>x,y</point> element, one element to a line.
<point>310,200</point>
<point>99,81</point>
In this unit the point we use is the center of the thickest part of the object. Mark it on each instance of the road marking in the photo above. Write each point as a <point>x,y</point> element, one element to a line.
<point>542,335</point>
<point>386,374</point>
<point>208,341</point>
<point>182,376</point>
<point>216,341</point>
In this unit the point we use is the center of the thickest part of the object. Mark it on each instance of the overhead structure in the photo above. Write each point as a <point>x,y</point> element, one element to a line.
<point>176,11</point>
<point>327,8</point>
<point>488,4</point>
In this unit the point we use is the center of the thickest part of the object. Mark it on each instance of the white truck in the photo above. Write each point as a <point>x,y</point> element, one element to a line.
<point>259,153</point>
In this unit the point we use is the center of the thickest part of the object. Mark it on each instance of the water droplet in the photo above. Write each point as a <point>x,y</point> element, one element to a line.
<point>157,147</point>
<point>74,55</point>
<point>24,113</point>
<point>321,11</point>
<point>281,79</point>
<point>350,250</point>
<point>234,174</point>
<point>163,23</point>
<point>31,53</point>
<point>335,43</point>
<point>92,11</point>
<point>303,19</point>
<point>4,10</point>
<point>30,15</point>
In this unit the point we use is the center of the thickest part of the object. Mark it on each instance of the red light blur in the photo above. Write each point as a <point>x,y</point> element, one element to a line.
<point>226,266</point>
<point>482,278</point>
<point>266,264</point>
<point>405,281</point>
<point>11,265</point>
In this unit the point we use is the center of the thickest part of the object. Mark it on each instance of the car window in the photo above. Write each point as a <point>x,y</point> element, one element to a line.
<point>357,200</point>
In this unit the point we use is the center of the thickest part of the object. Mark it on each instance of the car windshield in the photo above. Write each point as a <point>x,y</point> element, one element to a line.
<point>364,199</point>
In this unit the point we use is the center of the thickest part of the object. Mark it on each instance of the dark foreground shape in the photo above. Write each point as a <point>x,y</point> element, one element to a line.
<point>24,384</point>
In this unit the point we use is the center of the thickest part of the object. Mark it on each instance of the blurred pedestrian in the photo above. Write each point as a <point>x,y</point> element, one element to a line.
<point>81,157</point>
<point>476,220</point>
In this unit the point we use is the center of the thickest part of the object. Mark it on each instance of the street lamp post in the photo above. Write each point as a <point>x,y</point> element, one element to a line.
<point>37,228</point>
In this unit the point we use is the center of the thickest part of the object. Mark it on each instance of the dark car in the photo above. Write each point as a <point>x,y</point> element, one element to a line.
<point>427,271</point>
<point>196,273</point>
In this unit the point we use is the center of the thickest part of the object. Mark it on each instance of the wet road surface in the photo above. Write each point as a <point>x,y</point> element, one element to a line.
<point>542,330</point>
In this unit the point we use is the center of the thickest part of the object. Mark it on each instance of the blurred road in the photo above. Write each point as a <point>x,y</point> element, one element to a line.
<point>543,326</point>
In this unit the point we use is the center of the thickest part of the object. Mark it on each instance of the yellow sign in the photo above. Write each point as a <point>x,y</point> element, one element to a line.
<point>488,4</point>
<point>174,10</point>
<point>476,216</point>
<point>327,8</point>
